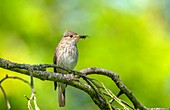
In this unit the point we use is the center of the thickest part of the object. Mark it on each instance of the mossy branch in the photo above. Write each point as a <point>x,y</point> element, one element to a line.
<point>96,91</point>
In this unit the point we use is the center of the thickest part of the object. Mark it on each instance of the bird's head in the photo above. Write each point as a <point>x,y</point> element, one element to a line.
<point>71,37</point>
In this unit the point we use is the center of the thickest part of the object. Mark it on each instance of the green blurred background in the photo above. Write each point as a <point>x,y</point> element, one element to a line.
<point>129,37</point>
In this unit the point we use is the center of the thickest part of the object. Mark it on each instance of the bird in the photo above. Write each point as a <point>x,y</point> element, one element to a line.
<point>66,56</point>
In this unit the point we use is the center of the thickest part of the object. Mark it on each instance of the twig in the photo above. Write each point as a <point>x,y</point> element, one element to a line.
<point>33,97</point>
<point>6,98</point>
<point>114,97</point>
<point>8,77</point>
<point>14,77</point>
<point>109,93</point>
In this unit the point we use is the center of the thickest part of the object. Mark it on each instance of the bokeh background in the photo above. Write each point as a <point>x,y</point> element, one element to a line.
<point>129,37</point>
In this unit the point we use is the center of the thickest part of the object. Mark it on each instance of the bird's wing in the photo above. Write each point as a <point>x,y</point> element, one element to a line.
<point>55,69</point>
<point>55,60</point>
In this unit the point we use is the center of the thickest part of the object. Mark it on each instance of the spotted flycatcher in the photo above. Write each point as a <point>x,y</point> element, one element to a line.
<point>66,55</point>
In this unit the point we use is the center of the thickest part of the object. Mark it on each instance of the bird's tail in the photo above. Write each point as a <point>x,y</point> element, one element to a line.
<point>61,94</point>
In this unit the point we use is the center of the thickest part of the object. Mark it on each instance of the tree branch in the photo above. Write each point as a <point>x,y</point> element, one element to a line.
<point>119,83</point>
<point>44,75</point>
<point>91,87</point>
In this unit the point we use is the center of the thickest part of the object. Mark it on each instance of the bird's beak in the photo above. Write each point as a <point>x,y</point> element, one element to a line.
<point>83,36</point>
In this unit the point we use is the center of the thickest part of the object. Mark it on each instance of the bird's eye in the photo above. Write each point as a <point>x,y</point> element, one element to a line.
<point>71,36</point>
